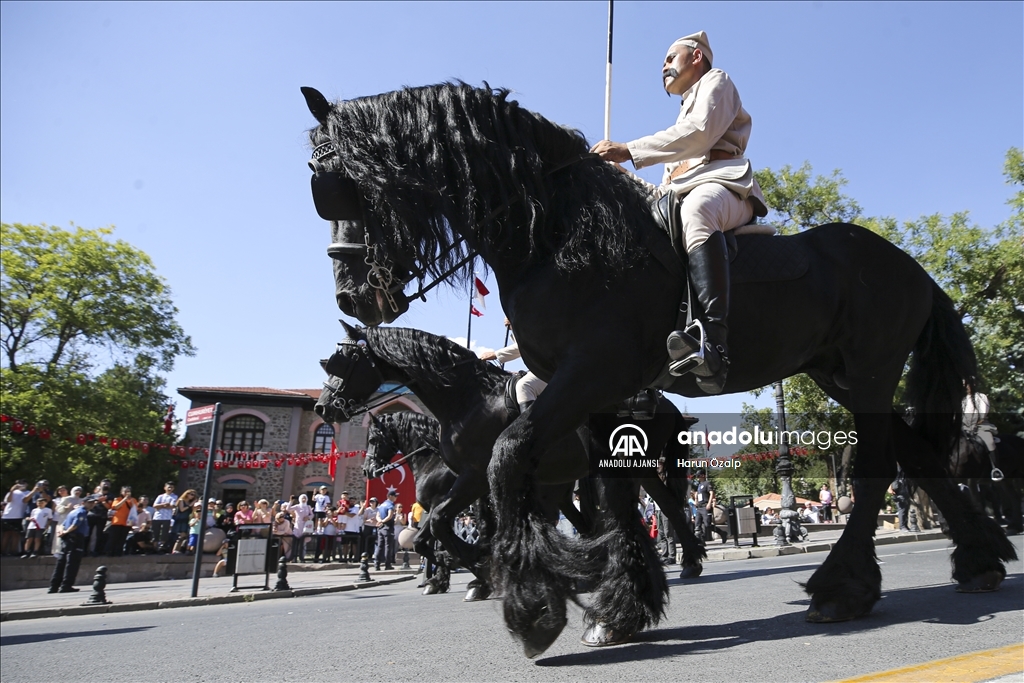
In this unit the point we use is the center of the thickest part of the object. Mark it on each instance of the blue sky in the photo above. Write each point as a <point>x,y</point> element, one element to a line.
<point>182,125</point>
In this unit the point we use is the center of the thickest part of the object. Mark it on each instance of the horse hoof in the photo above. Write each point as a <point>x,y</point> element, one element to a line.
<point>540,637</point>
<point>430,589</point>
<point>599,635</point>
<point>477,593</point>
<point>691,572</point>
<point>982,583</point>
<point>832,612</point>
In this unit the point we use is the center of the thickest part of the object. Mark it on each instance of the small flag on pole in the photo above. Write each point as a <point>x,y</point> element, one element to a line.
<point>479,292</point>
<point>473,310</point>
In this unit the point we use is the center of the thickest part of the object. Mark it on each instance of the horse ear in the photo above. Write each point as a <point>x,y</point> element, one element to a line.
<point>350,331</point>
<point>318,105</point>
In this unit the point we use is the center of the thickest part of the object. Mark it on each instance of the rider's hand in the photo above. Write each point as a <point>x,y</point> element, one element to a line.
<point>612,151</point>
<point>488,355</point>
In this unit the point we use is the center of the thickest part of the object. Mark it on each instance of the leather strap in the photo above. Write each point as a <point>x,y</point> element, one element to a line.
<point>687,165</point>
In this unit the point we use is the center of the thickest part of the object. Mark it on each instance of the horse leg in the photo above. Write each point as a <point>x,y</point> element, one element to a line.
<point>981,546</point>
<point>467,488</point>
<point>534,566</point>
<point>849,582</point>
<point>633,591</point>
<point>1009,498</point>
<point>693,552</point>
<point>480,588</point>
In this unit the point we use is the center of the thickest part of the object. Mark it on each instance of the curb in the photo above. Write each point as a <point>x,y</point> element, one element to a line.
<point>733,553</point>
<point>192,602</point>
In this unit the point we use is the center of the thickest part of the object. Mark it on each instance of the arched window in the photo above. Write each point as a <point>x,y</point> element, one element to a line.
<point>243,433</point>
<point>322,438</point>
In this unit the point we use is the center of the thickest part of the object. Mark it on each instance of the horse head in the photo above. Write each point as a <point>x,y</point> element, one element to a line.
<point>380,445</point>
<point>353,378</point>
<point>368,285</point>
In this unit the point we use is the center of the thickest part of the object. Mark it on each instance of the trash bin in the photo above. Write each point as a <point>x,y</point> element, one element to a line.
<point>743,518</point>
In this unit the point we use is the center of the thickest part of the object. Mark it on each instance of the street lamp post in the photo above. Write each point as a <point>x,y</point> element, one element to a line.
<point>790,527</point>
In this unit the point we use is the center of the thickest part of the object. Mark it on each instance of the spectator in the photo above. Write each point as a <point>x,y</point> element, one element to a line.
<point>353,524</point>
<point>769,517</point>
<point>62,508</point>
<point>72,535</point>
<point>326,533</point>
<point>369,528</point>
<point>123,508</point>
<point>321,503</point>
<point>99,515</point>
<point>163,511</point>
<point>182,516</point>
<point>301,513</point>
<point>227,520</point>
<point>218,513</point>
<point>705,500</point>
<point>262,514</point>
<point>38,523</point>
<point>825,498</point>
<point>283,530</point>
<point>193,527</point>
<point>386,532</point>
<point>345,503</point>
<point>244,514</point>
<point>222,563</point>
<point>13,517</point>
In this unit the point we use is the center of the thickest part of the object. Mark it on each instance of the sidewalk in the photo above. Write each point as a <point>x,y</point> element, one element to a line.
<point>36,603</point>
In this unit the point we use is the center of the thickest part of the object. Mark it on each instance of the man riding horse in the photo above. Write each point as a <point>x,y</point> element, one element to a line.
<point>714,185</point>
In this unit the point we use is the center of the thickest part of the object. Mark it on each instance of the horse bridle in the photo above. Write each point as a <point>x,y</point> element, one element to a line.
<point>349,407</point>
<point>337,198</point>
<point>378,423</point>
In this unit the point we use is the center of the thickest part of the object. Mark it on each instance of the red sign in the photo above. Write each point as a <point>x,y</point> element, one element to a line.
<point>198,416</point>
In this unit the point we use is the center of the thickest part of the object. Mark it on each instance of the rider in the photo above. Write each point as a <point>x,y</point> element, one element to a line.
<point>976,422</point>
<point>714,182</point>
<point>530,386</point>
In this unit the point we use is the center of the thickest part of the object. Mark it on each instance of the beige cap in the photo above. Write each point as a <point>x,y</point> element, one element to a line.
<point>695,40</point>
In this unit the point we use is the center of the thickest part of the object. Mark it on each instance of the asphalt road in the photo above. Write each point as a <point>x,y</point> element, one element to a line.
<point>741,621</point>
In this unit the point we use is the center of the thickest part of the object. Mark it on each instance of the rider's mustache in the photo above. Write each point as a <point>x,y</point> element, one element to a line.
<point>669,72</point>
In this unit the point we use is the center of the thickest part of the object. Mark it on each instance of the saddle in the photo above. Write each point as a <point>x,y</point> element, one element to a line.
<point>511,404</point>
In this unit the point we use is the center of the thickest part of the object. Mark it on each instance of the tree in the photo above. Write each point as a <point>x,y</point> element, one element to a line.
<point>86,325</point>
<point>981,269</point>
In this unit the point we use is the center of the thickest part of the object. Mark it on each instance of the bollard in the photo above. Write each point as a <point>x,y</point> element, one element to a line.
<point>282,575</point>
<point>405,560</point>
<point>99,585</point>
<point>364,568</point>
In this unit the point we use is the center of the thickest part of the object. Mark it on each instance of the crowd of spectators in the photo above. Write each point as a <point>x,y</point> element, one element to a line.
<point>119,523</point>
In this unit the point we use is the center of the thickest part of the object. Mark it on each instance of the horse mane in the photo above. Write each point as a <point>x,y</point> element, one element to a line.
<point>409,427</point>
<point>435,162</point>
<point>431,359</point>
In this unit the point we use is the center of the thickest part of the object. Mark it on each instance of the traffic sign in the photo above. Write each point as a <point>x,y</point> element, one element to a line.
<point>198,416</point>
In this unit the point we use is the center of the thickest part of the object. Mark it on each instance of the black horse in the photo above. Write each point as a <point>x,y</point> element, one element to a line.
<point>419,181</point>
<point>469,398</point>
<point>970,461</point>
<point>416,437</point>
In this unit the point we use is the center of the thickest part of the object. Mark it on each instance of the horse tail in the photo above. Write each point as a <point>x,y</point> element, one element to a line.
<point>942,366</point>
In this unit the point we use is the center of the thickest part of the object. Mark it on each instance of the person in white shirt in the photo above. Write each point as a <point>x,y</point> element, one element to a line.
<point>38,522</point>
<point>163,510</point>
<point>321,502</point>
<point>13,517</point>
<point>301,513</point>
<point>353,528</point>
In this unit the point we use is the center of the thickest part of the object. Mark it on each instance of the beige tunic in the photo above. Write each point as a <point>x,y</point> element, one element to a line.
<point>711,117</point>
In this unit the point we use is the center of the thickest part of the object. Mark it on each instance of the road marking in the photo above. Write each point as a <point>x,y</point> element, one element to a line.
<point>970,668</point>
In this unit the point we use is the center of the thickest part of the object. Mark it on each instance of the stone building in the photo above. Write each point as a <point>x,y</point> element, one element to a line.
<point>275,423</point>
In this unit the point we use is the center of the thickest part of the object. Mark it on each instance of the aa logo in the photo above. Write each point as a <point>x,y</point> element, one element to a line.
<point>628,441</point>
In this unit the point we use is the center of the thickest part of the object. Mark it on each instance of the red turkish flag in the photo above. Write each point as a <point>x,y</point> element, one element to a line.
<point>332,468</point>
<point>399,479</point>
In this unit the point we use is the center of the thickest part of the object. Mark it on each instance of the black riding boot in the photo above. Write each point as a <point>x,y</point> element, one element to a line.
<point>709,275</point>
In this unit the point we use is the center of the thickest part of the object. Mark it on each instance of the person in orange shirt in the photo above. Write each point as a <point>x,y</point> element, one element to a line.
<point>121,510</point>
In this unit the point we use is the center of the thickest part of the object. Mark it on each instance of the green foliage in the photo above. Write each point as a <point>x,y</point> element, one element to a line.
<point>72,302</point>
<point>982,270</point>
<point>66,295</point>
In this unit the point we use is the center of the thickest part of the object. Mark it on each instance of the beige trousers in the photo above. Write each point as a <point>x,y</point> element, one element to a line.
<point>529,388</point>
<point>711,207</point>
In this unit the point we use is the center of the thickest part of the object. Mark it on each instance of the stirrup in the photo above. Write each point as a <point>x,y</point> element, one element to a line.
<point>690,355</point>
<point>997,474</point>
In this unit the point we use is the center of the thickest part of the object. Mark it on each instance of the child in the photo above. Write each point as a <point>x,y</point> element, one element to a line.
<point>37,524</point>
<point>193,527</point>
<point>222,563</point>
